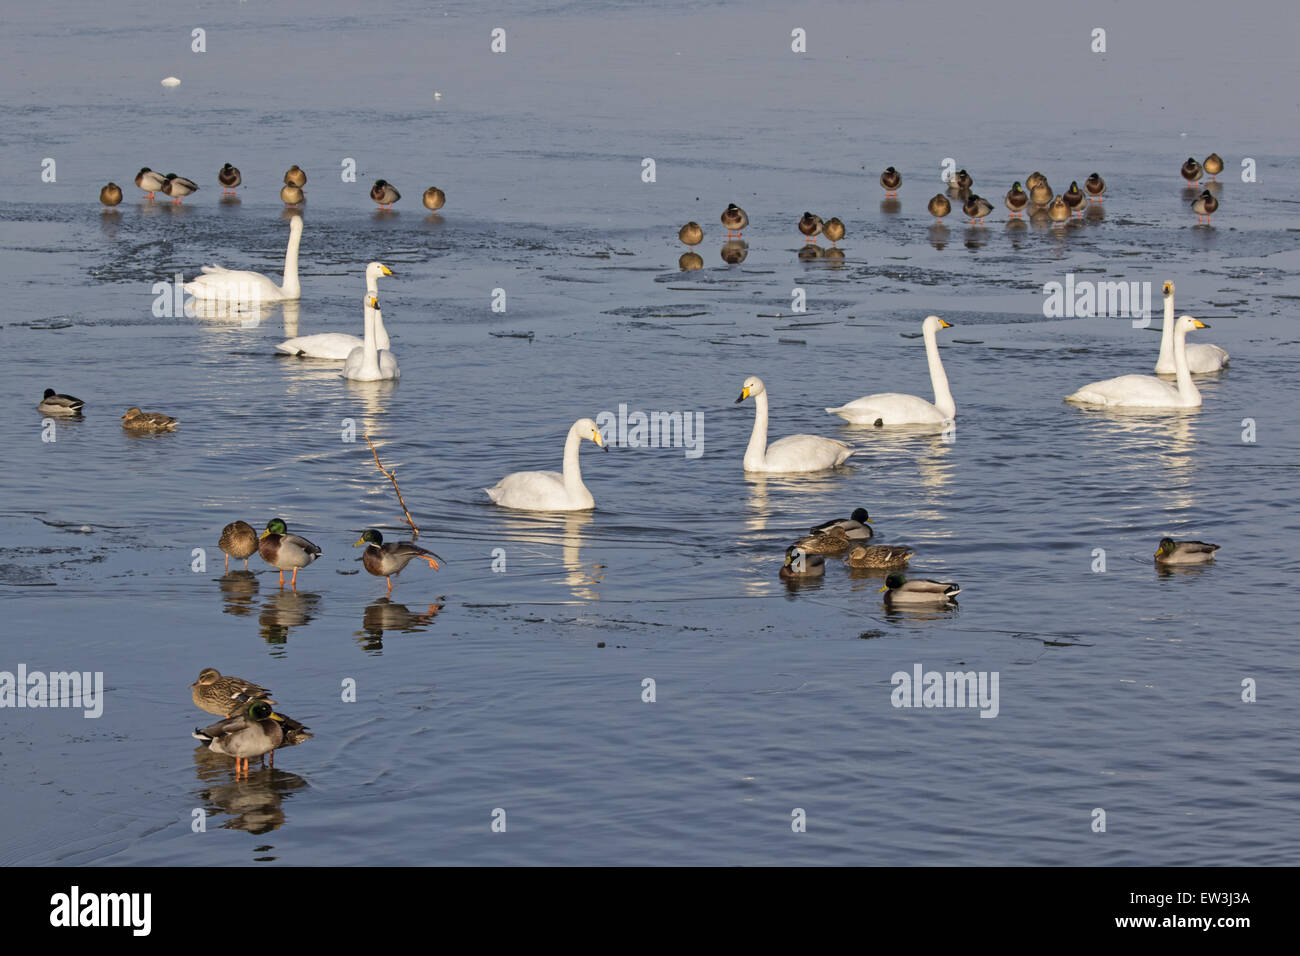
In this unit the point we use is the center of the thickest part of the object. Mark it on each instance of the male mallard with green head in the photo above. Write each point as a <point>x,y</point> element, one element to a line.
<point>1205,205</point>
<point>1095,186</point>
<point>238,540</point>
<point>734,218</point>
<point>149,181</point>
<point>963,181</point>
<point>52,403</point>
<point>286,551</point>
<point>178,187</point>
<point>798,564</point>
<point>385,560</point>
<point>254,733</point>
<point>229,178</point>
<point>977,207</point>
<point>901,590</point>
<point>856,526</point>
<point>810,226</point>
<point>1184,552</point>
<point>891,179</point>
<point>1074,198</point>
<point>384,193</point>
<point>1017,199</point>
<point>1191,172</point>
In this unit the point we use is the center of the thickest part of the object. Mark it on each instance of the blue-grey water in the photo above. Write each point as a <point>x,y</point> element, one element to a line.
<point>484,685</point>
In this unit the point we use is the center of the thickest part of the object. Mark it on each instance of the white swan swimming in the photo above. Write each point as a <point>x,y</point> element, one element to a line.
<point>337,346</point>
<point>1201,358</point>
<point>367,362</point>
<point>218,282</point>
<point>894,408</point>
<point>1147,391</point>
<point>794,453</point>
<point>551,490</point>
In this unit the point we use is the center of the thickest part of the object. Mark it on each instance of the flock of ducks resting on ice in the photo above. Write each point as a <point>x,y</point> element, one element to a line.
<point>251,727</point>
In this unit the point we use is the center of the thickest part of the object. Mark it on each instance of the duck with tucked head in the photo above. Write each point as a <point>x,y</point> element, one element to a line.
<point>434,199</point>
<point>890,180</point>
<point>295,177</point>
<point>1170,551</point>
<point>229,178</point>
<point>286,551</point>
<point>1017,199</point>
<point>901,590</point>
<point>1095,186</point>
<point>1213,165</point>
<point>691,234</point>
<point>178,187</point>
<point>1040,194</point>
<point>384,193</point>
<point>939,206</point>
<point>962,181</point>
<point>150,181</point>
<point>385,560</point>
<point>292,195</point>
<point>1191,172</point>
<point>801,565</point>
<point>111,194</point>
<point>1205,205</point>
<point>1035,179</point>
<point>52,403</point>
<point>810,226</point>
<point>734,218</point>
<point>977,207</point>
<point>238,540</point>
<point>833,230</point>
<point>856,526</point>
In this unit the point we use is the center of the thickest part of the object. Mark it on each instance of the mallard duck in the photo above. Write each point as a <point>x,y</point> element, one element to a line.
<point>832,541</point>
<point>52,403</point>
<point>292,195</point>
<point>1057,210</point>
<point>977,207</point>
<point>891,179</point>
<point>1095,186</point>
<point>434,199</point>
<point>878,556</point>
<point>1074,198</point>
<point>383,193</point>
<point>833,230</point>
<point>799,564</point>
<point>1184,552</point>
<point>856,526</point>
<point>1191,172</point>
<point>1017,199</point>
<point>238,540</point>
<point>810,226</point>
<point>900,590</point>
<point>255,733</point>
<point>111,194</point>
<point>734,218</point>
<point>385,560</point>
<point>286,551</point>
<point>962,180</point>
<point>1040,194</point>
<point>1213,165</point>
<point>224,695</point>
<point>1205,205</point>
<point>229,178</point>
<point>178,187</point>
<point>939,206</point>
<point>295,177</point>
<point>138,421</point>
<point>149,181</point>
<point>691,234</point>
<point>1035,179</point>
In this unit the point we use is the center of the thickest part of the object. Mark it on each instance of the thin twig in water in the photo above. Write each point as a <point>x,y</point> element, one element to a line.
<point>415,532</point>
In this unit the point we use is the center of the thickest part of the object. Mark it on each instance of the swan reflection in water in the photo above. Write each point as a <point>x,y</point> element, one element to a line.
<point>387,615</point>
<point>254,803</point>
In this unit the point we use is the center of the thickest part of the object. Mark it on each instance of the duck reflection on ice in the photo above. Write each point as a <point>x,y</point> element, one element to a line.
<point>238,591</point>
<point>284,610</point>
<point>386,615</point>
<point>254,803</point>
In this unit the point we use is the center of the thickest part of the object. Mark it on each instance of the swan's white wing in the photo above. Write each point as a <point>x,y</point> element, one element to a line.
<point>388,364</point>
<point>531,491</point>
<point>213,269</point>
<point>1131,391</point>
<point>236,286</point>
<point>891,408</point>
<point>1205,358</point>
<point>335,346</point>
<point>805,453</point>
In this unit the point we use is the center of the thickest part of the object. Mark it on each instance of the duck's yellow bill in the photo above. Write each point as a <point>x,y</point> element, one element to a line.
<point>885,588</point>
<point>360,541</point>
<point>264,534</point>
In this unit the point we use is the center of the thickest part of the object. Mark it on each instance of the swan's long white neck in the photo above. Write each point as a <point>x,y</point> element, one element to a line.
<point>291,287</point>
<point>756,452</point>
<point>942,395</point>
<point>573,485</point>
<point>369,352</point>
<point>1165,363</point>
<point>1187,390</point>
<point>381,333</point>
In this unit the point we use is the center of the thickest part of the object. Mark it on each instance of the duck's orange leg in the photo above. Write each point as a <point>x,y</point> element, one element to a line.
<point>293,582</point>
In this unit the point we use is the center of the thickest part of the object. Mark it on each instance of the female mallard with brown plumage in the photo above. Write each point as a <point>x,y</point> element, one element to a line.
<point>881,556</point>
<point>111,194</point>
<point>962,181</point>
<point>734,218</point>
<point>1040,194</point>
<point>691,234</point>
<point>1213,165</point>
<point>1017,199</point>
<point>295,177</point>
<point>385,560</point>
<point>286,551</point>
<point>224,695</point>
<point>891,179</point>
<point>238,540</point>
<point>292,195</point>
<point>810,226</point>
<point>137,421</point>
<point>939,206</point>
<point>1057,210</point>
<point>833,230</point>
<point>1035,179</point>
<point>434,199</point>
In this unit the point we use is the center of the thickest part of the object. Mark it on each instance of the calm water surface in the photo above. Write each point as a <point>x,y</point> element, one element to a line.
<point>480,689</point>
